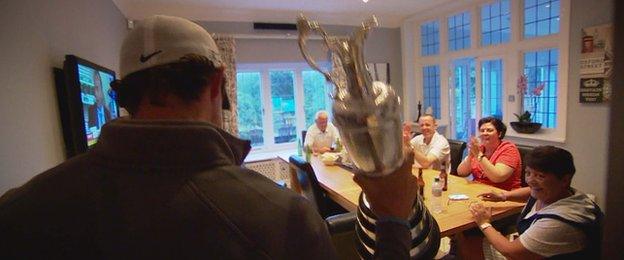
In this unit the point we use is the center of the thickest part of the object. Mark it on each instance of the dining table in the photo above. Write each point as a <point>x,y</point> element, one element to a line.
<point>455,217</point>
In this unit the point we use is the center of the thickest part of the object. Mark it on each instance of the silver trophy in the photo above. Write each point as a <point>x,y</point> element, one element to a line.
<point>366,113</point>
<point>367,116</point>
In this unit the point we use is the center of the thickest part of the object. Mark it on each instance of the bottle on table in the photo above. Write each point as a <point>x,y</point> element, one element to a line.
<point>421,183</point>
<point>308,153</point>
<point>443,177</point>
<point>338,145</point>
<point>436,191</point>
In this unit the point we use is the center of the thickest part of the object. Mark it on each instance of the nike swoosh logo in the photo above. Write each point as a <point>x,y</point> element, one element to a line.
<point>143,59</point>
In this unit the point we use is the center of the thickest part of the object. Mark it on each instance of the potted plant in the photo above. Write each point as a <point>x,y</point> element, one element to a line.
<point>525,124</point>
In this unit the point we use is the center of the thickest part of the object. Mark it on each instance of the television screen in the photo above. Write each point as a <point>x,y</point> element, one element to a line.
<point>86,102</point>
<point>98,101</point>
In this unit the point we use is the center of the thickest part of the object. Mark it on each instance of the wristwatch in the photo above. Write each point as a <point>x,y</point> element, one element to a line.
<point>484,226</point>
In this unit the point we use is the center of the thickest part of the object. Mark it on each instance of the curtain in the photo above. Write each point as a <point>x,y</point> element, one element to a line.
<point>227,47</point>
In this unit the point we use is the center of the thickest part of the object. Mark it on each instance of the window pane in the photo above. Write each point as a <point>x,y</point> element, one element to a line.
<point>543,15</point>
<point>315,95</point>
<point>283,101</point>
<point>541,70</point>
<point>493,28</point>
<point>429,38</point>
<point>249,107</point>
<point>431,89</point>
<point>459,31</point>
<point>492,88</point>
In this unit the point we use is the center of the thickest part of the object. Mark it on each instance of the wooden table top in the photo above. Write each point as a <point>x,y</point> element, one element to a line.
<point>339,184</point>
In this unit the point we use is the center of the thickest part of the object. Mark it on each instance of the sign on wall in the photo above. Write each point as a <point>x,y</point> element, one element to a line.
<point>596,64</point>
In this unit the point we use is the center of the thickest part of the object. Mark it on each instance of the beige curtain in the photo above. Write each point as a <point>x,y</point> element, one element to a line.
<point>227,47</point>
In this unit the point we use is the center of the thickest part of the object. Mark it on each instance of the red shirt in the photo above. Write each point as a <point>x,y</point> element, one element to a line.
<point>506,153</point>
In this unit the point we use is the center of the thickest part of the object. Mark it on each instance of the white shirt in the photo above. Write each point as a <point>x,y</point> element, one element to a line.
<point>548,237</point>
<point>315,138</point>
<point>438,147</point>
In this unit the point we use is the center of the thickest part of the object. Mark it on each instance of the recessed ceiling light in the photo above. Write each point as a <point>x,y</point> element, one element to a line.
<point>365,1</point>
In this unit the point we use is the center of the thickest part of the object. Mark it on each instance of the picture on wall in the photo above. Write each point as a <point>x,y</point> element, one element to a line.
<point>596,64</point>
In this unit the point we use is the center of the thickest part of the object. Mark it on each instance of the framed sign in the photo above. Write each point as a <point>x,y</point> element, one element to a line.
<point>596,64</point>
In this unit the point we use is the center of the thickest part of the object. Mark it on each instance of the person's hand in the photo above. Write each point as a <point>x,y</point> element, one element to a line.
<point>392,195</point>
<point>473,147</point>
<point>493,196</point>
<point>480,213</point>
<point>407,133</point>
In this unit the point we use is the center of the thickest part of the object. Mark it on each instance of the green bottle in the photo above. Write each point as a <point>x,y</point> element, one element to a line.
<point>308,154</point>
<point>338,145</point>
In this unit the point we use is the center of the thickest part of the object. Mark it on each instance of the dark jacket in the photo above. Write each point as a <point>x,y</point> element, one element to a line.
<point>159,189</point>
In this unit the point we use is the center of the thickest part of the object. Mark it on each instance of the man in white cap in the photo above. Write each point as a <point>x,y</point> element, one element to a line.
<point>167,182</point>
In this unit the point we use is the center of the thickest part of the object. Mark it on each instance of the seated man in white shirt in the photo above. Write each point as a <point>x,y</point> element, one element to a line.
<point>322,135</point>
<point>431,149</point>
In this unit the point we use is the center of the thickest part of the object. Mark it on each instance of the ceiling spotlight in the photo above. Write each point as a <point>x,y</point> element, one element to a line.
<point>365,1</point>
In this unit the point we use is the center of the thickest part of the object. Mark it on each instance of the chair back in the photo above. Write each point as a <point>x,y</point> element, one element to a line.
<point>524,151</point>
<point>342,231</point>
<point>311,189</point>
<point>457,153</point>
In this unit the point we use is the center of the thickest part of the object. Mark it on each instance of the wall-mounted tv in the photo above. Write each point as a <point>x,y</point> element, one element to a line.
<point>86,102</point>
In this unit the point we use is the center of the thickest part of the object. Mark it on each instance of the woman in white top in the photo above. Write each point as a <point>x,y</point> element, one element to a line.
<point>558,220</point>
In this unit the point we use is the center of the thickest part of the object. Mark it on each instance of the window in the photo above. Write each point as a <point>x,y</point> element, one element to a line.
<point>431,89</point>
<point>481,79</point>
<point>430,38</point>
<point>541,17</point>
<point>276,101</point>
<point>283,100</point>
<point>492,88</point>
<point>459,31</point>
<point>540,67</point>
<point>495,23</point>
<point>315,95</point>
<point>249,108</point>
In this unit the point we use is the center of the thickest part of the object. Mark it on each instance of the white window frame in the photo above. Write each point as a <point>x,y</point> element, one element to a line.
<point>512,54</point>
<point>267,108</point>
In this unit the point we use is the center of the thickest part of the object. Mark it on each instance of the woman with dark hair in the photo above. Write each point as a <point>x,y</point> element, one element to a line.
<point>558,221</point>
<point>491,160</point>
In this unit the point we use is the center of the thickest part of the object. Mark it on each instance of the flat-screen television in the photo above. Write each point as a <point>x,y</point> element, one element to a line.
<point>86,102</point>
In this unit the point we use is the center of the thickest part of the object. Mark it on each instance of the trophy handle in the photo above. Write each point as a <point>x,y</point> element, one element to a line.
<point>304,26</point>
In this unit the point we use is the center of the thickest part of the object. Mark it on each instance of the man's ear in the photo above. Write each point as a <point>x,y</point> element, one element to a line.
<point>216,80</point>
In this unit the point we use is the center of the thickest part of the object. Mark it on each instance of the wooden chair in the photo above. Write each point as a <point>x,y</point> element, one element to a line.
<point>524,151</point>
<point>311,189</point>
<point>457,154</point>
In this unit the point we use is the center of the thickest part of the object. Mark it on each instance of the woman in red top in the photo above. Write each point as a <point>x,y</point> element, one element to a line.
<point>494,162</point>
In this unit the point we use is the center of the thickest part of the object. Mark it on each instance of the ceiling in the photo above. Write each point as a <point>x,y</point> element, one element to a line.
<point>390,13</point>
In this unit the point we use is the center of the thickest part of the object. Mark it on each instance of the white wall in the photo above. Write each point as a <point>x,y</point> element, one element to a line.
<point>34,37</point>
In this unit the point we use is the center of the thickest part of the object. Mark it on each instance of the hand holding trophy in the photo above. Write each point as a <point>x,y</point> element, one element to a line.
<point>367,115</point>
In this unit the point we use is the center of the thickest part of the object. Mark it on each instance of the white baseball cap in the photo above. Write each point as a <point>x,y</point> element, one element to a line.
<point>164,39</point>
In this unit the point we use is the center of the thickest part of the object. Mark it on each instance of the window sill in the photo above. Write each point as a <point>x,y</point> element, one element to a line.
<point>542,135</point>
<point>260,155</point>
